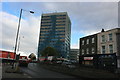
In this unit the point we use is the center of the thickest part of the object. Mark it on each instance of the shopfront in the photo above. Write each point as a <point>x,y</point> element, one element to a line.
<point>99,60</point>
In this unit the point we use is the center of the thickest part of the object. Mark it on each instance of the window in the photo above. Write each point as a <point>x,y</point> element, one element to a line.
<point>82,51</point>
<point>93,40</point>
<point>82,42</point>
<point>103,38</point>
<point>60,29</point>
<point>110,37</point>
<point>111,48</point>
<point>87,41</point>
<point>103,49</point>
<point>60,26</point>
<point>60,15</point>
<point>93,50</point>
<point>87,51</point>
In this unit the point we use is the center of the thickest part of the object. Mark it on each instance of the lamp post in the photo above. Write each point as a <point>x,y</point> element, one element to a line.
<point>18,29</point>
<point>19,43</point>
<point>15,50</point>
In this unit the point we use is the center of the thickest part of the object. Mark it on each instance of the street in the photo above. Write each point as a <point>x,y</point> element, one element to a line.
<point>0,71</point>
<point>32,72</point>
<point>4,68</point>
<point>36,71</point>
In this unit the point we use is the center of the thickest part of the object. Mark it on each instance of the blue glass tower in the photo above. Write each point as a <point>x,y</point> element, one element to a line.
<point>55,31</point>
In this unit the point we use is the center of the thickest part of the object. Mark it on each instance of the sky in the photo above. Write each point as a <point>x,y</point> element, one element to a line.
<point>86,17</point>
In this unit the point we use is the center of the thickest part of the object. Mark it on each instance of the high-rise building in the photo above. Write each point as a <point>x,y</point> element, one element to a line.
<point>55,31</point>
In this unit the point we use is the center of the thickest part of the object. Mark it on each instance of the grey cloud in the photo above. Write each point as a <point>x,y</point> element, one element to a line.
<point>86,17</point>
<point>28,44</point>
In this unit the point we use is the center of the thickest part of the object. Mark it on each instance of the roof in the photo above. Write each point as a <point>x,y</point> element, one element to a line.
<point>55,13</point>
<point>6,51</point>
<point>102,32</point>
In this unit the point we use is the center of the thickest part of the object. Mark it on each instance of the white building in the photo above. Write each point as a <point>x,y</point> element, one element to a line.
<point>109,42</point>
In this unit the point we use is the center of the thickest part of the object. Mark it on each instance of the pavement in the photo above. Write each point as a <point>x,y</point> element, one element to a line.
<point>7,72</point>
<point>84,72</point>
<point>36,71</point>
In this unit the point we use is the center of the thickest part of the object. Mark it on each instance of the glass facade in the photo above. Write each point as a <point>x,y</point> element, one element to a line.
<point>55,32</point>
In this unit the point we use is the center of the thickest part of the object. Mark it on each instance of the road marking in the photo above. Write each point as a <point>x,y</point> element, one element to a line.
<point>24,74</point>
<point>27,75</point>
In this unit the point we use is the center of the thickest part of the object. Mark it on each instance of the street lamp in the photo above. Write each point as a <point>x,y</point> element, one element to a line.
<point>19,28</point>
<point>19,43</point>
<point>15,50</point>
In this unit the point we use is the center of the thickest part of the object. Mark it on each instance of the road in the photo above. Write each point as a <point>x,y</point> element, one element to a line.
<point>0,70</point>
<point>36,71</point>
<point>6,71</point>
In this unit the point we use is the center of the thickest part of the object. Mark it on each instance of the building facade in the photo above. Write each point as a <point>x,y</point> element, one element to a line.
<point>88,45</point>
<point>55,32</point>
<point>7,54</point>
<point>109,42</point>
<point>74,54</point>
<point>105,45</point>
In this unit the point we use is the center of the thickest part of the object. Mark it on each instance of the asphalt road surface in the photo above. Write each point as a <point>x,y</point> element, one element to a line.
<point>36,71</point>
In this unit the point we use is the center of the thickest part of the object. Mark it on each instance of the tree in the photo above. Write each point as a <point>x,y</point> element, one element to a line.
<point>49,51</point>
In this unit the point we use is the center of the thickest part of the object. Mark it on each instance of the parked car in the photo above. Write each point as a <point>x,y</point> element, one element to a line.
<point>71,66</point>
<point>73,61</point>
<point>23,61</point>
<point>66,62</point>
<point>59,62</point>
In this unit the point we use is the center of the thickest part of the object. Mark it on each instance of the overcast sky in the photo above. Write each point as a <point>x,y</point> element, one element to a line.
<point>86,17</point>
